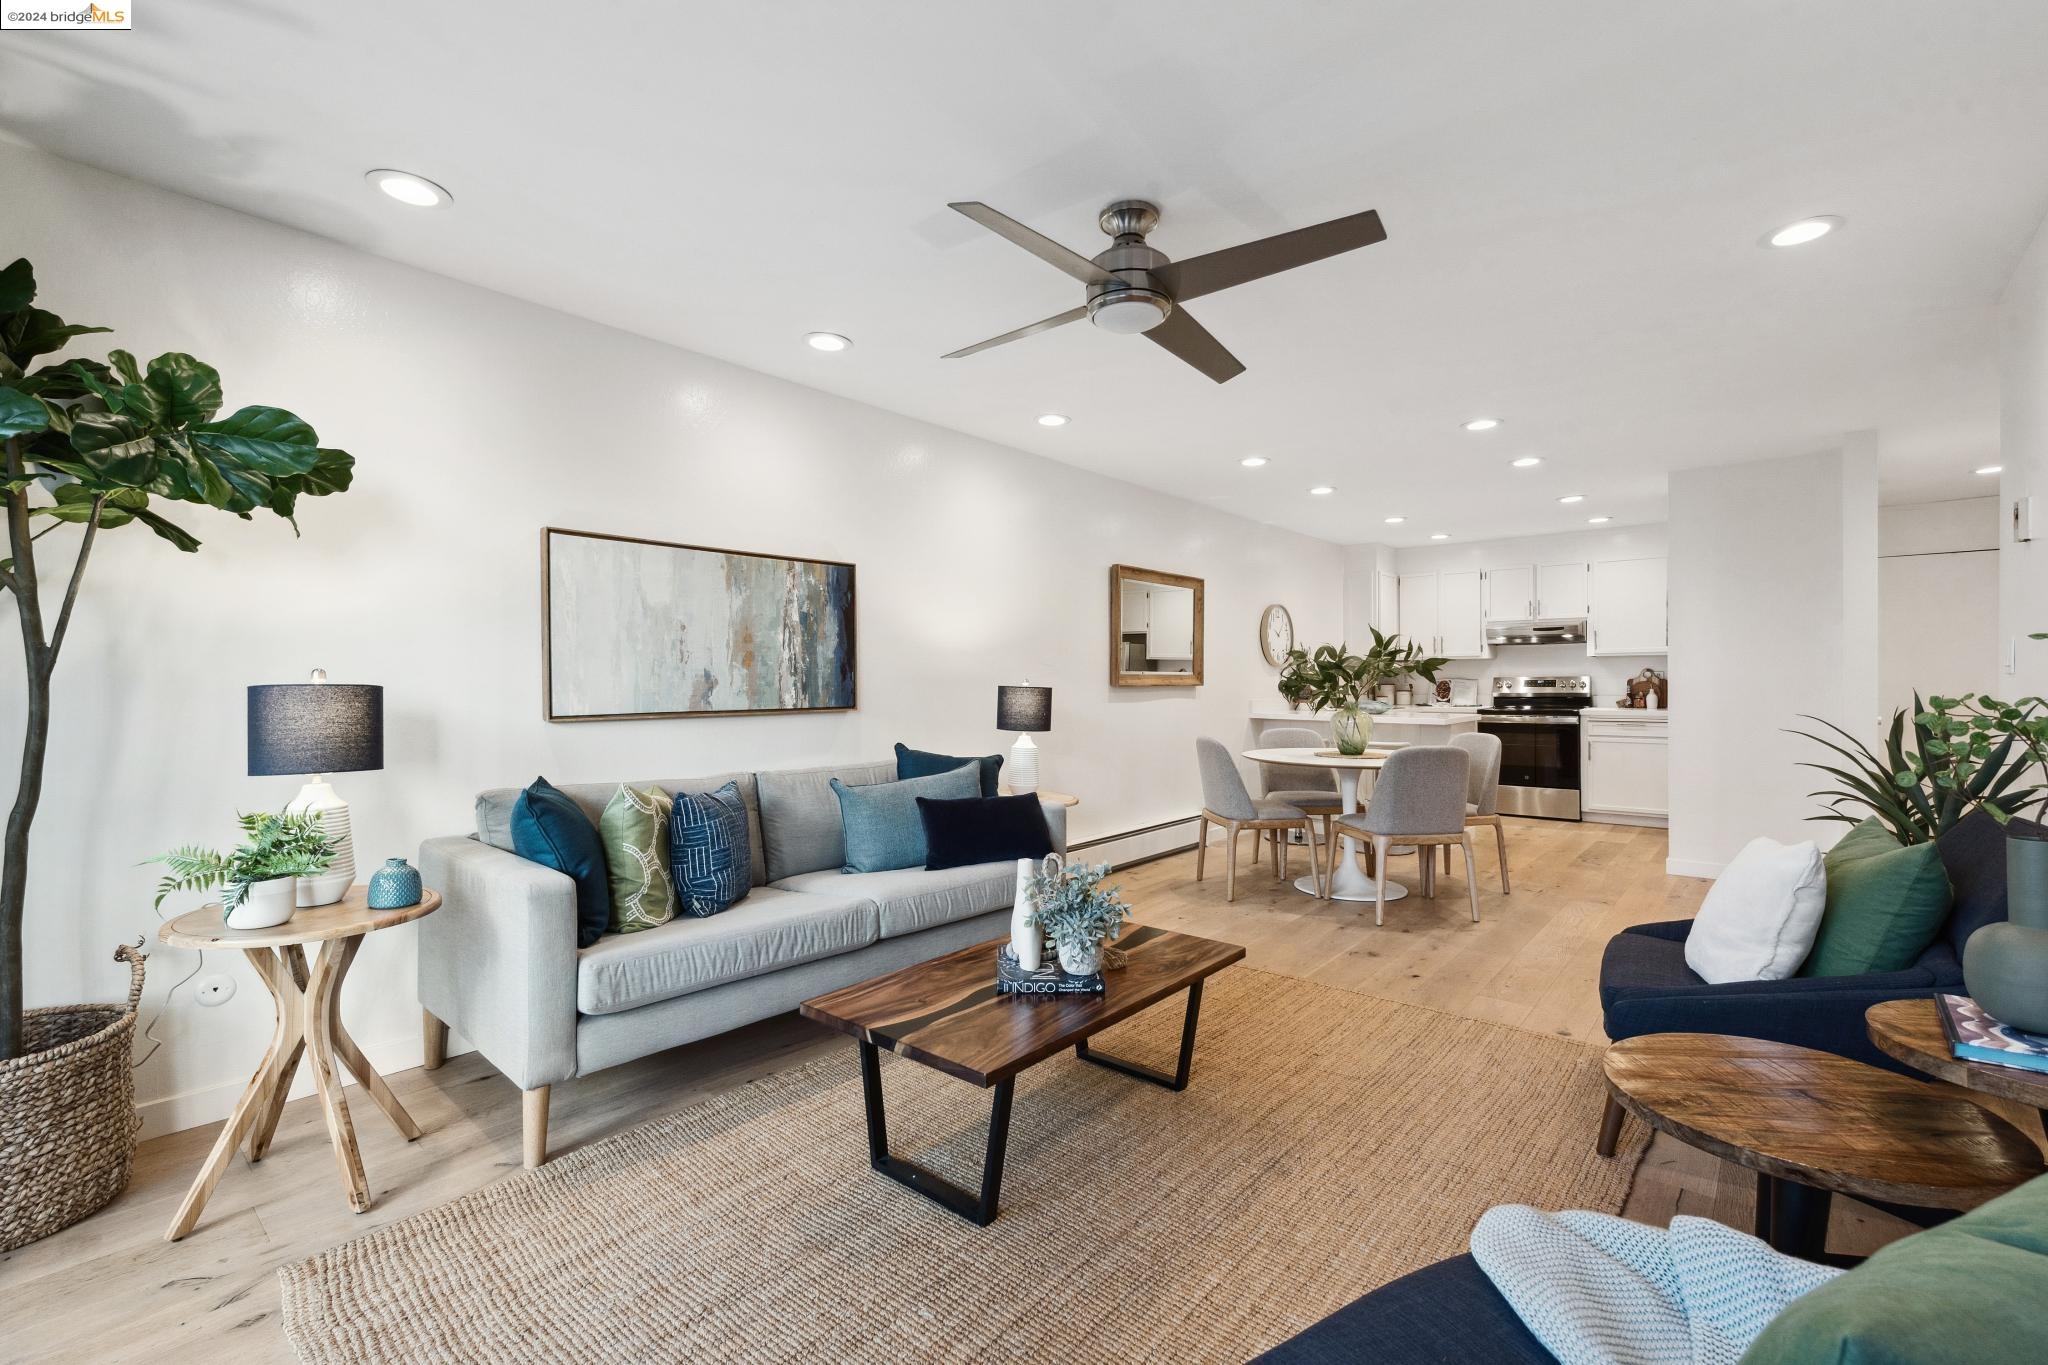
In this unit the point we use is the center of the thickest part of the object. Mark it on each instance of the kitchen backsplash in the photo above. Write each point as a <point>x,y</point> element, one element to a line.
<point>1610,673</point>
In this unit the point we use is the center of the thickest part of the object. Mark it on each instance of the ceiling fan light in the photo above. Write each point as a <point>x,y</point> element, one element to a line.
<point>1127,312</point>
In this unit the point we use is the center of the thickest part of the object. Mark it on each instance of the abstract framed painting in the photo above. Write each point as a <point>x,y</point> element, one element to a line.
<point>636,629</point>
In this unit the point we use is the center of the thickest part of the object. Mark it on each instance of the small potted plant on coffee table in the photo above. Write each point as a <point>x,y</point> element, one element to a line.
<point>1079,913</point>
<point>258,881</point>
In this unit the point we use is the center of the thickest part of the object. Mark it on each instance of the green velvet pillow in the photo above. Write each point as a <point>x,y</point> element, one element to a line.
<point>1886,902</point>
<point>1970,1290</point>
<point>634,828</point>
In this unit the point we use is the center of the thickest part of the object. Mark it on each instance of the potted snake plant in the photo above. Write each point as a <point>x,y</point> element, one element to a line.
<point>1331,678</point>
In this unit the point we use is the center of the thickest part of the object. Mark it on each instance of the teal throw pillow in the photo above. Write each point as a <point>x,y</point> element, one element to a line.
<point>550,829</point>
<point>880,822</point>
<point>917,763</point>
<point>1885,903</point>
<point>1970,1290</point>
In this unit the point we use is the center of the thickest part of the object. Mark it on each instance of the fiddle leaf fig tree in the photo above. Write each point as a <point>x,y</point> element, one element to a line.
<point>94,446</point>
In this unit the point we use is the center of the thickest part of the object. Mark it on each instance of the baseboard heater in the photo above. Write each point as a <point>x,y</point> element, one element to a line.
<point>1134,846</point>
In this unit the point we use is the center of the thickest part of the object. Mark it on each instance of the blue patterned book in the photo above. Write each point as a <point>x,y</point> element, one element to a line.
<point>1977,1037</point>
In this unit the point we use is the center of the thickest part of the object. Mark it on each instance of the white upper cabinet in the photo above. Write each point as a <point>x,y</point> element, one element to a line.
<point>1387,603</point>
<point>1561,591</point>
<point>1628,613</point>
<point>1511,593</point>
<point>1461,615</point>
<point>1417,594</point>
<point>1170,624</point>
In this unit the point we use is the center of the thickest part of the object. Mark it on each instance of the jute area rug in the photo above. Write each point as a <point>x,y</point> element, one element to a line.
<point>1328,1143</point>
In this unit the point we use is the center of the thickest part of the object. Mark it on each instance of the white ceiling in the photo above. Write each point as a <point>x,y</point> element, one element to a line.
<point>1573,193</point>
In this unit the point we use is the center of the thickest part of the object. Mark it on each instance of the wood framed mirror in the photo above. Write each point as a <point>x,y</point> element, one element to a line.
<point>1155,628</point>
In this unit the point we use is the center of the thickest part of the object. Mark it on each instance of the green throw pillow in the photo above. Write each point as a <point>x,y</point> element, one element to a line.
<point>1886,902</point>
<point>634,828</point>
<point>1970,1290</point>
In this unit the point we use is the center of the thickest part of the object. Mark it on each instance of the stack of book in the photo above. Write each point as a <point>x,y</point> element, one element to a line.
<point>1049,979</point>
<point>1977,1037</point>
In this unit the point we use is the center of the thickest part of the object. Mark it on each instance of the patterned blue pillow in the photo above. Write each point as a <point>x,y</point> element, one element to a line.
<point>709,855</point>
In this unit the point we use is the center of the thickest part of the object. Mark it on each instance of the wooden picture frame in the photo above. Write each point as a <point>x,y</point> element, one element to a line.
<point>819,591</point>
<point>1119,574</point>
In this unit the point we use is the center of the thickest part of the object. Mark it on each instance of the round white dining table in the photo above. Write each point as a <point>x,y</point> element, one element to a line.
<point>1348,881</point>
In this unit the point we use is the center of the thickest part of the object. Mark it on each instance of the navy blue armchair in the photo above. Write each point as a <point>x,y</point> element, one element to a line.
<point>1645,986</point>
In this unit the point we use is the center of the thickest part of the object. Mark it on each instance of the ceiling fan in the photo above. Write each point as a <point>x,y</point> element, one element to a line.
<point>1133,287</point>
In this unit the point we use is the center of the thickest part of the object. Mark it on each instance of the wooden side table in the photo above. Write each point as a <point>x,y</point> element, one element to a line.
<point>1057,798</point>
<point>308,1024</point>
<point>1812,1125</point>
<point>1911,1031</point>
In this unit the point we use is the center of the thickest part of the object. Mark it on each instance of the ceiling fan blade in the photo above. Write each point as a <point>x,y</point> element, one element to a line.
<point>1037,243</point>
<point>1199,275</point>
<point>1190,340</point>
<point>1042,325</point>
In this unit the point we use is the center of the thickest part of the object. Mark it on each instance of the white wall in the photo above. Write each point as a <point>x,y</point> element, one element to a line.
<point>476,420</point>
<point>2023,439</point>
<point>1937,599</point>
<point>1773,614</point>
<point>1610,673</point>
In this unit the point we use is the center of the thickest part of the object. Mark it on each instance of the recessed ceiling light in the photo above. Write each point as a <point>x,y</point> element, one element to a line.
<point>1482,424</point>
<point>1051,419</point>
<point>1992,469</point>
<point>414,191</point>
<point>1395,521</point>
<point>1572,498</point>
<point>1321,490</point>
<point>826,341</point>
<point>1528,462</point>
<point>1804,231</point>
<point>1598,521</point>
<point>1253,462</point>
<point>1440,535</point>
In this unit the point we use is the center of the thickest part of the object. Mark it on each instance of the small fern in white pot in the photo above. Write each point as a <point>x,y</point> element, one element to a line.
<point>258,881</point>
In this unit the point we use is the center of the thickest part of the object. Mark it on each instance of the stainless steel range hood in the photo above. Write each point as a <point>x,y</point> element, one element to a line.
<point>1536,633</point>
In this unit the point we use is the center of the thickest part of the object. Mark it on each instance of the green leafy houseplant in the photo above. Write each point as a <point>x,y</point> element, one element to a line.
<point>276,846</point>
<point>1332,678</point>
<point>93,446</point>
<point>1071,904</point>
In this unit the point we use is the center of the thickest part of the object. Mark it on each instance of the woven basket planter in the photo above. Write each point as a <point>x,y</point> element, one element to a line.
<point>67,1114</point>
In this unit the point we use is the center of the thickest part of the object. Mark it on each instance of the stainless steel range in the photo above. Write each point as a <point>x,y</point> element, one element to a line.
<point>1537,723</point>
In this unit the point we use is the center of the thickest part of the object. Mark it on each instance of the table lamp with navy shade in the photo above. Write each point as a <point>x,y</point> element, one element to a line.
<point>309,730</point>
<point>1025,711</point>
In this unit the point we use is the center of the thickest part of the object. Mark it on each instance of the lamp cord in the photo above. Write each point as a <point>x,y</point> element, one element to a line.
<point>149,1032</point>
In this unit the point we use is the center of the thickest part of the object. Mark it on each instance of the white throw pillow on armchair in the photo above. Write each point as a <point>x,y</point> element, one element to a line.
<point>1759,920</point>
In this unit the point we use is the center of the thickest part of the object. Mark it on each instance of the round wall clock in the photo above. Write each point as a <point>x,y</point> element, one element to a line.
<point>1276,634</point>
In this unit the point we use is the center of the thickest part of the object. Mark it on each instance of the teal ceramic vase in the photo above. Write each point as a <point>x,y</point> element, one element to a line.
<point>2005,966</point>
<point>394,885</point>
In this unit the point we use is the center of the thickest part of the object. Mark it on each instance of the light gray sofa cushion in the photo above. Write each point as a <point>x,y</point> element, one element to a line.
<point>494,807</point>
<point>911,899</point>
<point>769,930</point>
<point>800,815</point>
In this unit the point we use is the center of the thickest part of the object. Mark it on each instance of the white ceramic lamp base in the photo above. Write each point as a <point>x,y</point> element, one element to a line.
<point>1021,772</point>
<point>331,885</point>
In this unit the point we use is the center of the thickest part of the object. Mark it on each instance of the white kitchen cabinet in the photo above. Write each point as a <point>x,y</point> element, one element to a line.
<point>1445,613</point>
<point>1170,624</point>
<point>1137,608</point>
<point>1561,591</point>
<point>1387,603</point>
<point>1628,613</point>
<point>1511,593</point>
<point>1624,769</point>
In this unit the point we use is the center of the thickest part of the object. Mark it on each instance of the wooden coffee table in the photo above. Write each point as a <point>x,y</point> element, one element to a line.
<point>1911,1031</point>
<point>1812,1125</point>
<point>946,1014</point>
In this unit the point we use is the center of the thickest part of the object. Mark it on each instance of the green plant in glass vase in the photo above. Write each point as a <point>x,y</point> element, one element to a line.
<point>1331,678</point>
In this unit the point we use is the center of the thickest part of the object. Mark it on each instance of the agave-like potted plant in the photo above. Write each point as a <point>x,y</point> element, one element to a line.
<point>258,881</point>
<point>1331,678</point>
<point>91,446</point>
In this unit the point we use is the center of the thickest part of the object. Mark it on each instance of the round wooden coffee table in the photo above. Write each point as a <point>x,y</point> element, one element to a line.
<point>308,1022</point>
<point>1911,1031</point>
<point>1812,1125</point>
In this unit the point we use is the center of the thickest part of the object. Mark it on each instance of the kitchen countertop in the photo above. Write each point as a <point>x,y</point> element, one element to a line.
<point>1400,715</point>
<point>1627,713</point>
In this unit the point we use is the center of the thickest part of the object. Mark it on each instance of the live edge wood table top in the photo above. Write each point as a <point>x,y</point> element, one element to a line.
<point>946,1014</point>
<point>1911,1031</point>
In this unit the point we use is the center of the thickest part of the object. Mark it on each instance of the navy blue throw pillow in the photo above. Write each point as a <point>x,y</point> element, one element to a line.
<point>983,829</point>
<point>550,829</point>
<point>710,857</point>
<point>917,763</point>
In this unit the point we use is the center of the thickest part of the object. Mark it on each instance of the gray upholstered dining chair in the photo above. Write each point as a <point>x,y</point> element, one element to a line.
<point>1420,800</point>
<point>1312,790</point>
<point>1227,803</point>
<point>1482,796</point>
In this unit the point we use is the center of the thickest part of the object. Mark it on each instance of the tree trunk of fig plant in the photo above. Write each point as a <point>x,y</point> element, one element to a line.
<point>14,875</point>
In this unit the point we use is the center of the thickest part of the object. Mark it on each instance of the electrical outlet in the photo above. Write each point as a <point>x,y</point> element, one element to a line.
<point>217,989</point>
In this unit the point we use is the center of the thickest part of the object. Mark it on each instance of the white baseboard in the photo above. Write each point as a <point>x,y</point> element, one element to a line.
<point>1692,867</point>
<point>212,1103</point>
<point>1621,817</point>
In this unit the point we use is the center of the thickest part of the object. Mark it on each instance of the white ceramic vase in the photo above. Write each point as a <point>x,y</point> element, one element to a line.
<point>265,905</point>
<point>1080,959</point>
<point>1026,938</point>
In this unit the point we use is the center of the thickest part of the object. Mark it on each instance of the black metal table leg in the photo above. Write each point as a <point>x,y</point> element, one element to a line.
<point>1762,1226</point>
<point>977,1209</point>
<point>1179,1079</point>
<point>1799,1219</point>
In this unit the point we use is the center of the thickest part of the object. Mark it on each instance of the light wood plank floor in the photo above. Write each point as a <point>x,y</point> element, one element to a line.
<point>111,1289</point>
